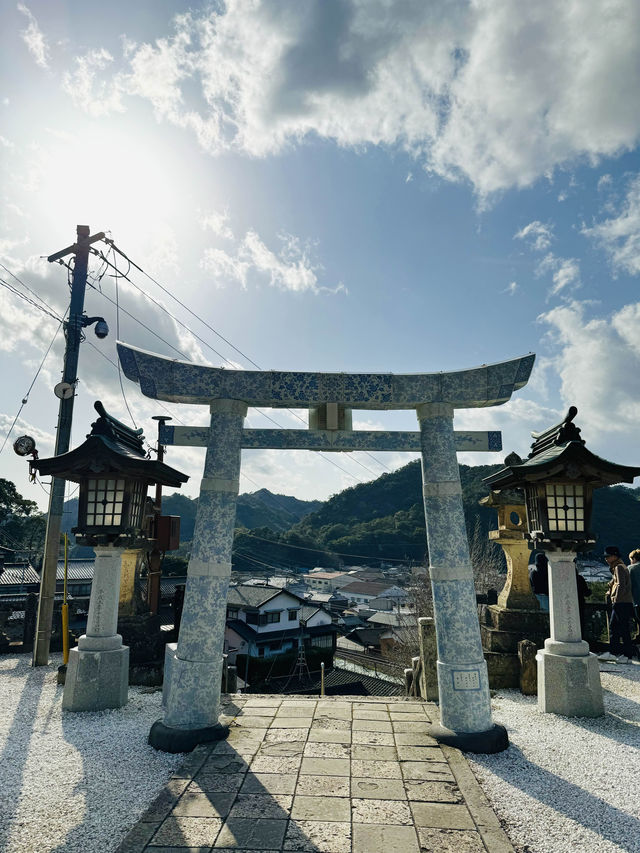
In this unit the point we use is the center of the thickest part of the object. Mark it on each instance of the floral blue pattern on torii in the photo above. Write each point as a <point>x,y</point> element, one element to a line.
<point>163,378</point>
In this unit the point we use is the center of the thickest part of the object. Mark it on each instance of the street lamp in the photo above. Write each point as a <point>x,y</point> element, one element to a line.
<point>558,478</point>
<point>113,474</point>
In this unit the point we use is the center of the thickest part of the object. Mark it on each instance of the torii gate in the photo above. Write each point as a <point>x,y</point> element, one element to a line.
<point>193,666</point>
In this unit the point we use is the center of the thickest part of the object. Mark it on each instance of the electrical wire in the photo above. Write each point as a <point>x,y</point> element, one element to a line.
<point>124,397</point>
<point>25,399</point>
<point>215,332</point>
<point>327,550</point>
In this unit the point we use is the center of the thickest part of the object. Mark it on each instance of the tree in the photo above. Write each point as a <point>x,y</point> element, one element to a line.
<point>22,525</point>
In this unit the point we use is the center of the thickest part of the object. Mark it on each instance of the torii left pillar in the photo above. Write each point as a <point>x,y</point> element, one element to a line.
<point>193,665</point>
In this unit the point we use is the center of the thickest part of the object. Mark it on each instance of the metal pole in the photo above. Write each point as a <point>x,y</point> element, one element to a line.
<point>73,331</point>
<point>155,557</point>
<point>65,607</point>
<point>322,678</point>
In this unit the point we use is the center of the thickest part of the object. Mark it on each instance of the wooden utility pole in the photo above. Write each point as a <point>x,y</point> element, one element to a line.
<point>66,392</point>
<point>155,557</point>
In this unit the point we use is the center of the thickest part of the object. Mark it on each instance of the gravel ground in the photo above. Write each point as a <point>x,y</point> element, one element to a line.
<point>74,783</point>
<point>568,785</point>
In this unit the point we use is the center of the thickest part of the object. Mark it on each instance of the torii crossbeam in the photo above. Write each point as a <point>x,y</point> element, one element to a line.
<point>193,665</point>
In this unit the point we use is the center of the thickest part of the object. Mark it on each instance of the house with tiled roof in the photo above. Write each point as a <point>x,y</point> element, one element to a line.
<point>264,621</point>
<point>365,592</point>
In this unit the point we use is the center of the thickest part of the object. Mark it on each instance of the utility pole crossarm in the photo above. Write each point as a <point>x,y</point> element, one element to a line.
<point>72,250</point>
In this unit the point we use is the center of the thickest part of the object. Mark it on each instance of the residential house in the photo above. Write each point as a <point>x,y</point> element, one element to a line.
<point>326,581</point>
<point>264,621</point>
<point>365,592</point>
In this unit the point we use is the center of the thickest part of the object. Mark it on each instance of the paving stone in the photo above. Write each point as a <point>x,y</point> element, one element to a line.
<point>372,838</point>
<point>269,764</point>
<point>371,726</point>
<point>434,792</point>
<point>368,752</point>
<point>333,713</point>
<point>187,832</point>
<point>291,723</point>
<point>404,717</point>
<point>161,806</point>
<point>321,735</point>
<point>269,783</point>
<point>375,769</point>
<point>419,753</point>
<point>380,811</point>
<point>273,806</point>
<point>252,834</point>
<point>321,808</point>
<point>297,704</point>
<point>321,786</point>
<point>206,781</point>
<point>407,707</point>
<point>415,739</point>
<point>330,723</point>
<point>426,771</point>
<point>283,749</point>
<point>258,711</point>
<point>373,738</point>
<point>181,849</point>
<point>370,706</point>
<point>378,789</point>
<point>289,711</point>
<point>259,721</point>
<point>325,766</point>
<point>136,839</point>
<point>239,747</point>
<point>411,726</point>
<point>442,815</point>
<point>225,764</point>
<point>365,714</point>
<point>315,836</point>
<point>211,804</point>
<point>327,750</point>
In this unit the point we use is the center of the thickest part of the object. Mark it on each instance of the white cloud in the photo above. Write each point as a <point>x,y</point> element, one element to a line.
<point>218,222</point>
<point>496,93</point>
<point>598,363</point>
<point>34,39</point>
<point>566,273</point>
<point>620,236</point>
<point>511,288</point>
<point>604,182</point>
<point>537,235</point>
<point>290,269</point>
<point>97,97</point>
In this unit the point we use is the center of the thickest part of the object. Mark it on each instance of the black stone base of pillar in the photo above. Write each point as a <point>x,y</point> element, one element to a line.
<point>169,739</point>
<point>494,739</point>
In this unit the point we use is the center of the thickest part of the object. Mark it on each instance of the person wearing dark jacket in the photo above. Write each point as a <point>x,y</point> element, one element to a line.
<point>584,591</point>
<point>539,578</point>
<point>621,649</point>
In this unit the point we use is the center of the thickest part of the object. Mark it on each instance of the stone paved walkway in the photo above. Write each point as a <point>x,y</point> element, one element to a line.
<point>334,775</point>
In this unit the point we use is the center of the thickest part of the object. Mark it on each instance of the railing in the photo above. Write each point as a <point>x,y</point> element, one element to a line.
<point>378,666</point>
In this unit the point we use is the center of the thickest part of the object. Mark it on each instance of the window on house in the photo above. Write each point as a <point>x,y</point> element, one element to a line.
<point>232,612</point>
<point>322,642</point>
<point>270,618</point>
<point>293,615</point>
<point>252,617</point>
<point>261,652</point>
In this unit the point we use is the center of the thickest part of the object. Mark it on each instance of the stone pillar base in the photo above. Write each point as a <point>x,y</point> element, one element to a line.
<point>96,680</point>
<point>169,739</point>
<point>191,691</point>
<point>569,685</point>
<point>493,740</point>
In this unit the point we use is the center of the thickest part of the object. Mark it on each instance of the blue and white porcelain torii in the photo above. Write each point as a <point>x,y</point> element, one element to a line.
<point>193,665</point>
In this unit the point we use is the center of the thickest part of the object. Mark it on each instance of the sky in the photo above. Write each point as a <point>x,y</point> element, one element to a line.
<point>330,185</point>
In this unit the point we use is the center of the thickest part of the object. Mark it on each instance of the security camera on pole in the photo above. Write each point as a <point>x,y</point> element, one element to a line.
<point>65,391</point>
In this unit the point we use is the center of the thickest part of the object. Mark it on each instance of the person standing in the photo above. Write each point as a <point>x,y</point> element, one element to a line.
<point>621,648</point>
<point>584,591</point>
<point>634,574</point>
<point>539,578</point>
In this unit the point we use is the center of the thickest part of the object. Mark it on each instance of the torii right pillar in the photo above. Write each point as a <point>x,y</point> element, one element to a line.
<point>463,682</point>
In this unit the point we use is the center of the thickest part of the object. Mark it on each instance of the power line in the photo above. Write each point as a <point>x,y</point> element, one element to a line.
<point>327,550</point>
<point>211,328</point>
<point>25,399</point>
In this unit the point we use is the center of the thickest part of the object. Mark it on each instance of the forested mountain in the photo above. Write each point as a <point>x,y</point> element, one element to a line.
<point>371,522</point>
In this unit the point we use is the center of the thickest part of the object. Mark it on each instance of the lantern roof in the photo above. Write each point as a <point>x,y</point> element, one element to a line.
<point>559,452</point>
<point>110,447</point>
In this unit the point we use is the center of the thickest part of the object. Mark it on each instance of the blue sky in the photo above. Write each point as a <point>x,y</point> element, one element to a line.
<point>339,186</point>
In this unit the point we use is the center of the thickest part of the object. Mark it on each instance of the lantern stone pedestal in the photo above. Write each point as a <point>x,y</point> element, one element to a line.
<point>98,669</point>
<point>568,674</point>
<point>517,614</point>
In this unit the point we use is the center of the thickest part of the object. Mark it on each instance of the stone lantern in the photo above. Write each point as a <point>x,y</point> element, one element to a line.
<point>558,478</point>
<point>113,473</point>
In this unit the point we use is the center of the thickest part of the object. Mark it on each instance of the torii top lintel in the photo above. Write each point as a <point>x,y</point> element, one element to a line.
<point>176,381</point>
